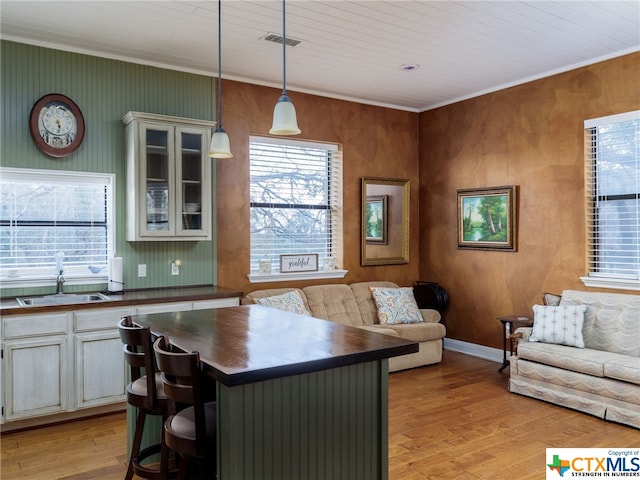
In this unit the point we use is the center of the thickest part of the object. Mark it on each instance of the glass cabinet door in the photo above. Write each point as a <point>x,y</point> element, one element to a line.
<point>191,171</point>
<point>158,148</point>
<point>168,176</point>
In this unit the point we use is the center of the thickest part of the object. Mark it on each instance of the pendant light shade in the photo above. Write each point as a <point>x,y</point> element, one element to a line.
<point>220,147</point>
<point>285,121</point>
<point>284,118</point>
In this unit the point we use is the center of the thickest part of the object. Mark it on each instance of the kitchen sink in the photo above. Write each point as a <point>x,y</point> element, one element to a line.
<point>62,299</point>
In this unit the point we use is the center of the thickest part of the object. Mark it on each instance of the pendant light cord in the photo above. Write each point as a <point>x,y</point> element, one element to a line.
<point>219,63</point>
<point>284,50</point>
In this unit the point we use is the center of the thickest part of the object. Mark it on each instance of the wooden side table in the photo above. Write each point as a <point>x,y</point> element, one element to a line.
<point>509,325</point>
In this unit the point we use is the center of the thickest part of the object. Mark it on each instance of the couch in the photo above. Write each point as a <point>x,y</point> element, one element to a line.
<point>354,305</point>
<point>603,378</point>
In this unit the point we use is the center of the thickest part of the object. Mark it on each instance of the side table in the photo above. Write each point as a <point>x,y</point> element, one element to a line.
<point>509,325</point>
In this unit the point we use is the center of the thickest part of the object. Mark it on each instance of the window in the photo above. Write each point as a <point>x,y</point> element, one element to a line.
<point>296,202</point>
<point>45,212</point>
<point>612,175</point>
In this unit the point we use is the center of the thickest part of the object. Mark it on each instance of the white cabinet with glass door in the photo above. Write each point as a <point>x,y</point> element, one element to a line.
<point>168,178</point>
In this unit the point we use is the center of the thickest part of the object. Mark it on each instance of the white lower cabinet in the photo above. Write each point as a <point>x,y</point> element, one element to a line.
<point>35,365</point>
<point>36,374</point>
<point>100,368</point>
<point>65,362</point>
<point>61,362</point>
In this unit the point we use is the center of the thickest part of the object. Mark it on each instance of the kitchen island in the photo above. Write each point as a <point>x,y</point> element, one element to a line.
<point>298,398</point>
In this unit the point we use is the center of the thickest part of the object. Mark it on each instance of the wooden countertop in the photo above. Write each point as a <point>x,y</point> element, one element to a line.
<point>135,297</point>
<point>252,343</point>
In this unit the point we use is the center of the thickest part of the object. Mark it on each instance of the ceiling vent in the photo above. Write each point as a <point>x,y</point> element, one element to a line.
<point>277,38</point>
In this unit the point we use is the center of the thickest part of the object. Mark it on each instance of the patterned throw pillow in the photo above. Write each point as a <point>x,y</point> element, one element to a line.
<point>560,325</point>
<point>396,305</point>
<point>289,302</point>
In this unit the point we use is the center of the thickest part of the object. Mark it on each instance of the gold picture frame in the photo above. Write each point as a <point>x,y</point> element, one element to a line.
<point>487,218</point>
<point>391,247</point>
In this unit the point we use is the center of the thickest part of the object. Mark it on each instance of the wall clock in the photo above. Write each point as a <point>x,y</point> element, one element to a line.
<point>56,125</point>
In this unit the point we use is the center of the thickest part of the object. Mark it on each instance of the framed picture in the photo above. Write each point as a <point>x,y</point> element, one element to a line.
<point>487,218</point>
<point>299,263</point>
<point>376,216</point>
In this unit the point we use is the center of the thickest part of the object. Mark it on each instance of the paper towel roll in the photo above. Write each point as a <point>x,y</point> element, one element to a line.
<point>116,283</point>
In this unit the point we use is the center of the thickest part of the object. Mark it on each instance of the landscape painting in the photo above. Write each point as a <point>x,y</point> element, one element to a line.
<point>376,219</point>
<point>487,218</point>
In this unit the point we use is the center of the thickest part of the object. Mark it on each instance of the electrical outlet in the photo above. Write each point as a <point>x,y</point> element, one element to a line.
<point>175,269</point>
<point>142,270</point>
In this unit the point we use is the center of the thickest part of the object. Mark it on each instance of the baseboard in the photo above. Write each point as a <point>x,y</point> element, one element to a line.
<point>473,349</point>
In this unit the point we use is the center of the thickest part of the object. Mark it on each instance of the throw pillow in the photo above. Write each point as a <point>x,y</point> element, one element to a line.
<point>289,302</point>
<point>396,305</point>
<point>561,325</point>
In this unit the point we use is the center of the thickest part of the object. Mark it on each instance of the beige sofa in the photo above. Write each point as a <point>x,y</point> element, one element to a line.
<point>603,378</point>
<point>353,305</point>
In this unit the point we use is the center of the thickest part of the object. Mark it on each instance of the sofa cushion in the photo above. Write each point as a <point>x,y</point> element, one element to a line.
<point>606,387</point>
<point>560,325</point>
<point>364,299</point>
<point>610,322</point>
<point>380,329</point>
<point>623,368</point>
<point>584,360</point>
<point>419,332</point>
<point>333,302</point>
<point>289,302</point>
<point>396,305</point>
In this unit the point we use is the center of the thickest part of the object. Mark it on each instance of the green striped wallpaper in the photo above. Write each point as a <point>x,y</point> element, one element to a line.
<point>105,90</point>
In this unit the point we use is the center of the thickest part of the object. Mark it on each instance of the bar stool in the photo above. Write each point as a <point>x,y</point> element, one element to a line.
<point>146,393</point>
<point>190,432</point>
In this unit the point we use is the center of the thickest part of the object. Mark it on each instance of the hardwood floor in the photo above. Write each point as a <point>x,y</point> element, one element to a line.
<point>454,420</point>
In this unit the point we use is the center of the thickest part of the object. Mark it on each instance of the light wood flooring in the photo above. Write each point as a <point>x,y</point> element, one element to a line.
<point>454,420</point>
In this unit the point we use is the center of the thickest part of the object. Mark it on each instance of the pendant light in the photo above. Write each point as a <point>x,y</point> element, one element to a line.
<point>284,113</point>
<point>220,147</point>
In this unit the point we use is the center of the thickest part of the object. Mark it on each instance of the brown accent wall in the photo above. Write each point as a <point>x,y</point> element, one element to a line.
<point>531,136</point>
<point>376,141</point>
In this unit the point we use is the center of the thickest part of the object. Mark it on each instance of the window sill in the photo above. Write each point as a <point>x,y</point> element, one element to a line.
<point>31,282</point>
<point>290,277</point>
<point>617,283</point>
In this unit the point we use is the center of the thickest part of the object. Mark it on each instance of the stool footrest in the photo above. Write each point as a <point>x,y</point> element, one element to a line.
<point>147,471</point>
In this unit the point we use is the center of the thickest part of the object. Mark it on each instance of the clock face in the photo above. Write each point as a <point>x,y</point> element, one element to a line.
<point>56,125</point>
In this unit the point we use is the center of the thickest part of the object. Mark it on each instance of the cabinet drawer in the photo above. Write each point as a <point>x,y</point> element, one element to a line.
<point>35,325</point>
<point>216,303</point>
<point>99,319</point>
<point>164,308</point>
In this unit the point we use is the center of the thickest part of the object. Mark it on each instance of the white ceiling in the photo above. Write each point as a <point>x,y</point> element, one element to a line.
<point>350,49</point>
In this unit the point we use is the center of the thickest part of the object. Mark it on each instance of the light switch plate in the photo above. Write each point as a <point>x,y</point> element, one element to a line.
<point>175,269</point>
<point>142,270</point>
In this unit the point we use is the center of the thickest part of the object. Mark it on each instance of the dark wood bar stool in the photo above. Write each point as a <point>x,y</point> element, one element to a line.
<point>146,393</point>
<point>191,429</point>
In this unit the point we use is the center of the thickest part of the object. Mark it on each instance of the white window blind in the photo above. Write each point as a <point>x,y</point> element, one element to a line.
<point>296,200</point>
<point>612,176</point>
<point>44,212</point>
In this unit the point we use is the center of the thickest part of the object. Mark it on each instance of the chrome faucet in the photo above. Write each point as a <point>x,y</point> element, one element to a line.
<point>59,284</point>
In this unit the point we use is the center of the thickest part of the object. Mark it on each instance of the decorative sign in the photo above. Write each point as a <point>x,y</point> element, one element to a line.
<point>299,263</point>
